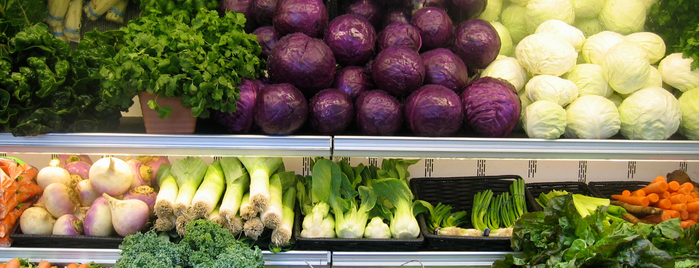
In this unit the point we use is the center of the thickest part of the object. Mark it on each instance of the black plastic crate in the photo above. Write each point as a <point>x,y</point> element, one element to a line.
<point>574,187</point>
<point>63,241</point>
<point>352,244</point>
<point>458,192</point>
<point>607,188</point>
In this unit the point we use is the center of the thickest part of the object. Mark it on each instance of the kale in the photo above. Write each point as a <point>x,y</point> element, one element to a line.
<point>205,244</point>
<point>560,237</point>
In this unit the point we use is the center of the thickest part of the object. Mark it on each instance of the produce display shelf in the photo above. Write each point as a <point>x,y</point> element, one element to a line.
<point>109,256</point>
<point>156,144</point>
<point>515,148</point>
<point>419,259</point>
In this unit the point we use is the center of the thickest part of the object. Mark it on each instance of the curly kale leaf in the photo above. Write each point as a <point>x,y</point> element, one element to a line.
<point>150,250</point>
<point>23,13</point>
<point>210,245</point>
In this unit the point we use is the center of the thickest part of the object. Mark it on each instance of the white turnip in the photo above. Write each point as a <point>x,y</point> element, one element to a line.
<point>128,216</point>
<point>98,219</point>
<point>59,199</point>
<point>36,221</point>
<point>51,174</point>
<point>68,224</point>
<point>86,194</point>
<point>144,193</point>
<point>64,159</point>
<point>79,168</point>
<point>138,179</point>
<point>111,175</point>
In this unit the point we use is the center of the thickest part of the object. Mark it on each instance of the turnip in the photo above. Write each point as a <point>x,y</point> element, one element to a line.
<point>150,167</point>
<point>68,224</point>
<point>59,199</point>
<point>79,168</point>
<point>64,159</point>
<point>128,216</point>
<point>138,179</point>
<point>98,219</point>
<point>111,175</point>
<point>53,173</point>
<point>81,212</point>
<point>144,193</point>
<point>86,194</point>
<point>36,221</point>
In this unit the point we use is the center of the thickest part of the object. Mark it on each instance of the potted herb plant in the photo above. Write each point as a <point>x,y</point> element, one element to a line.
<point>196,60</point>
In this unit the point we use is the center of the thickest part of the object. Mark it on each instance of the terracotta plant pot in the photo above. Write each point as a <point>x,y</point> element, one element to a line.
<point>180,120</point>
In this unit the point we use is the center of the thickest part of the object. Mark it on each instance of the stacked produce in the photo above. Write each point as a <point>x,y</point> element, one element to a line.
<point>342,201</point>
<point>23,263</point>
<point>18,190</point>
<point>110,196</point>
<point>244,195</point>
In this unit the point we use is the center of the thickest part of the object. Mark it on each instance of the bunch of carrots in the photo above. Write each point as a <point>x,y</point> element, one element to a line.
<point>22,263</point>
<point>18,191</point>
<point>674,200</point>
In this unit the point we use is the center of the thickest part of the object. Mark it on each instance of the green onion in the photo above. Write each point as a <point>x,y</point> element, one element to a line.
<point>481,203</point>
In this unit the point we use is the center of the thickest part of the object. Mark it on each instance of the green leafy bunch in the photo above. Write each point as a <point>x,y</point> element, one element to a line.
<point>170,6</point>
<point>676,21</point>
<point>560,237</point>
<point>42,89</point>
<point>200,59</point>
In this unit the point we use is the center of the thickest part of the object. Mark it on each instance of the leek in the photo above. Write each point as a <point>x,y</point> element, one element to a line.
<point>272,215</point>
<point>96,8</point>
<point>247,212</point>
<point>260,169</point>
<point>253,228</point>
<point>165,223</point>
<point>281,236</point>
<point>116,12</point>
<point>237,183</point>
<point>164,202</point>
<point>215,216</point>
<point>209,192</point>
<point>57,12</point>
<point>73,21</point>
<point>189,172</point>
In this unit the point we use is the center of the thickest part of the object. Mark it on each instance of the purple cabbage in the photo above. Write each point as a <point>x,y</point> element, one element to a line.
<point>398,70</point>
<point>477,43</point>
<point>435,27</point>
<point>241,120</point>
<point>330,111</point>
<point>263,11</point>
<point>300,16</point>
<point>351,38</point>
<point>395,15</point>
<point>239,6</point>
<point>399,34</point>
<point>491,107</point>
<point>378,113</point>
<point>267,37</point>
<point>462,10</point>
<point>369,9</point>
<point>281,109</point>
<point>443,67</point>
<point>306,63</point>
<point>353,80</point>
<point>433,111</point>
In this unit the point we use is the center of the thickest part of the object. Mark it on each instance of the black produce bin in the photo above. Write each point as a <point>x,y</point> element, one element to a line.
<point>574,187</point>
<point>63,241</point>
<point>458,192</point>
<point>607,188</point>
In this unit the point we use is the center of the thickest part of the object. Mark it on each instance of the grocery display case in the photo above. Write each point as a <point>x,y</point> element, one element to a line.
<point>533,159</point>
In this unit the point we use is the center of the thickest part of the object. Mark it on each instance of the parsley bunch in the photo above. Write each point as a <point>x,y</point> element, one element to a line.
<point>199,59</point>
<point>676,21</point>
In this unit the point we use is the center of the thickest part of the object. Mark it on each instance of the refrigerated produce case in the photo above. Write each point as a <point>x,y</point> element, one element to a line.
<point>534,160</point>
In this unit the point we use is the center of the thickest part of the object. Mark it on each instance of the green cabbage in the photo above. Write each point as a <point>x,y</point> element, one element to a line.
<point>544,120</point>
<point>689,103</point>
<point>626,67</point>
<point>597,45</point>
<point>545,53</point>
<point>587,9</point>
<point>650,42</point>
<point>507,68</point>
<point>513,18</point>
<point>650,114</point>
<point>506,47</point>
<point>655,79</point>
<point>623,16</point>
<point>563,30</point>
<point>676,71</point>
<point>539,11</point>
<point>592,117</point>
<point>589,79</point>
<point>589,27</point>
<point>492,11</point>
<point>551,88</point>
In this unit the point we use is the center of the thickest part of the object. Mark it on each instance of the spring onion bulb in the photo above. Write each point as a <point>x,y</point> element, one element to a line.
<point>73,21</point>
<point>116,12</point>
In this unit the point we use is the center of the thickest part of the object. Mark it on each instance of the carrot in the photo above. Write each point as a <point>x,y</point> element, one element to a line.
<point>636,209</point>
<point>693,206</point>
<point>84,265</point>
<point>626,193</point>
<point>658,218</point>
<point>666,194</point>
<point>72,265</point>
<point>678,199</point>
<point>656,187</point>
<point>639,192</point>
<point>673,213</point>
<point>694,216</point>
<point>687,223</point>
<point>653,198</point>
<point>673,186</point>
<point>694,195</point>
<point>664,203</point>
<point>686,188</point>
<point>3,265</point>
<point>684,215</point>
<point>634,200</point>
<point>44,264</point>
<point>659,178</point>
<point>679,207</point>
<point>13,263</point>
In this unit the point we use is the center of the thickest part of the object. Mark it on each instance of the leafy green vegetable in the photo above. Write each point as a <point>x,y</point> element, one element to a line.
<point>676,22</point>
<point>171,6</point>
<point>442,216</point>
<point>23,13</point>
<point>199,58</point>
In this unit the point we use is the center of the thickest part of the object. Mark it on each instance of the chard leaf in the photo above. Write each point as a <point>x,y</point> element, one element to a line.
<point>23,13</point>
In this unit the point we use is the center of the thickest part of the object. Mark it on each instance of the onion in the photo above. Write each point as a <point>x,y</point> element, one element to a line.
<point>68,224</point>
<point>59,199</point>
<point>79,168</point>
<point>98,219</point>
<point>111,175</point>
<point>128,216</point>
<point>36,221</point>
<point>144,193</point>
<point>86,195</point>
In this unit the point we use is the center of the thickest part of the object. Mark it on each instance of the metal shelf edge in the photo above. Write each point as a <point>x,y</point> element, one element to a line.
<point>423,258</point>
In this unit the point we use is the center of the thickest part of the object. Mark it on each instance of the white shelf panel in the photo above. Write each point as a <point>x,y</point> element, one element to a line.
<point>109,256</point>
<point>420,259</point>
<point>153,144</point>
<point>514,148</point>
